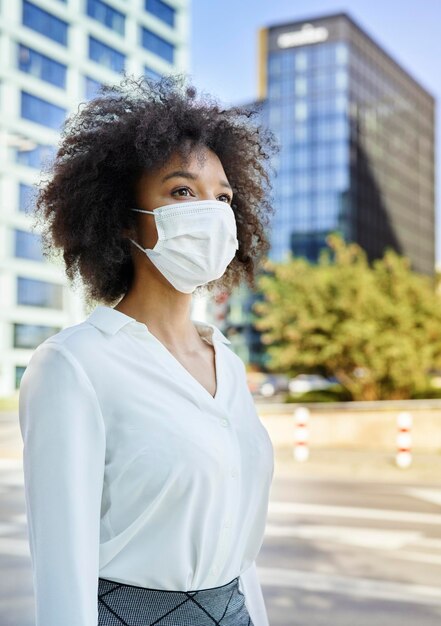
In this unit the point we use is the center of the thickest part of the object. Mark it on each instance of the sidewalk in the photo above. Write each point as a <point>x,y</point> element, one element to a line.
<point>322,463</point>
<point>11,443</point>
<point>358,464</point>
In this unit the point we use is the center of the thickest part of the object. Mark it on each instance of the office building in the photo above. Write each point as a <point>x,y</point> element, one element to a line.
<point>357,136</point>
<point>53,55</point>
<point>357,147</point>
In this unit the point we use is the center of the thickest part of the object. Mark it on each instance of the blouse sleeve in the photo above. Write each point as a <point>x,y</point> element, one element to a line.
<point>63,465</point>
<point>250,586</point>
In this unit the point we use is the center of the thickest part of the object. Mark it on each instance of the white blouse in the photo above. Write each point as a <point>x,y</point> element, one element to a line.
<point>134,472</point>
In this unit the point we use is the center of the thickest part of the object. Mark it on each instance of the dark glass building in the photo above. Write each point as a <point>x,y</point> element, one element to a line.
<point>357,147</point>
<point>357,137</point>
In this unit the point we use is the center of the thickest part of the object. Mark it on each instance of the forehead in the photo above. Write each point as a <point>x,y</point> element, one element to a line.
<point>198,158</point>
<point>201,162</point>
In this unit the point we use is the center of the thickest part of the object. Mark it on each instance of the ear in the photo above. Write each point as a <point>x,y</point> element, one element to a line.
<point>128,232</point>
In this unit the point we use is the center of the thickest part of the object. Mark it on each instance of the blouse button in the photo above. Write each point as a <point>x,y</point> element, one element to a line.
<point>234,472</point>
<point>224,422</point>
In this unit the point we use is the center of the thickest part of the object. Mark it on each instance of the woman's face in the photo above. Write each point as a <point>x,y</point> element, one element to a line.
<point>176,182</point>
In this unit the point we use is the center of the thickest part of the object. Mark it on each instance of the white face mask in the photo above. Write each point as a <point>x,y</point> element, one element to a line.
<point>196,242</point>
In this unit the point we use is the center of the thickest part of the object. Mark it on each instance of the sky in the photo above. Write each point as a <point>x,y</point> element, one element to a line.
<point>223,46</point>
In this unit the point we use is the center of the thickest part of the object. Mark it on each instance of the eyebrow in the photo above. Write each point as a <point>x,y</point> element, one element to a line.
<point>184,174</point>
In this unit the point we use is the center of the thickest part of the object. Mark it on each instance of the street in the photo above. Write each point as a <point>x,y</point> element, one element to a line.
<point>337,551</point>
<point>352,553</point>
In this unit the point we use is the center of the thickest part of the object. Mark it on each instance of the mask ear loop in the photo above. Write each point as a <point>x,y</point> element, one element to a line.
<point>137,244</point>
<point>143,211</point>
<point>132,240</point>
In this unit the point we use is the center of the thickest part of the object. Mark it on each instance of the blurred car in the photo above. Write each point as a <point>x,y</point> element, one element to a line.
<point>254,380</point>
<point>266,385</point>
<point>308,382</point>
<point>273,384</point>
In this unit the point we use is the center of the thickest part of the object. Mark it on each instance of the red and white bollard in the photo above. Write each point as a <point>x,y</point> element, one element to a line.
<point>301,434</point>
<point>404,439</point>
<point>220,307</point>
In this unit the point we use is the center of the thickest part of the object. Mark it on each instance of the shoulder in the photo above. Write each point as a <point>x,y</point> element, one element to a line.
<point>72,348</point>
<point>70,337</point>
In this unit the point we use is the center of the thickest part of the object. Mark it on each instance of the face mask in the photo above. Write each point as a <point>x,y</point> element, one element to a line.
<point>196,242</point>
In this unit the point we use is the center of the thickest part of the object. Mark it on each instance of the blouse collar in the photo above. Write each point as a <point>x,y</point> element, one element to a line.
<point>110,321</point>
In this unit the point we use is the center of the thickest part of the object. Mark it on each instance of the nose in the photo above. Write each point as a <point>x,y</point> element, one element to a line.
<point>207,196</point>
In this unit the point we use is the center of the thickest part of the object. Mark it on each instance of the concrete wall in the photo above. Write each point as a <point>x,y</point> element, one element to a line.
<point>356,425</point>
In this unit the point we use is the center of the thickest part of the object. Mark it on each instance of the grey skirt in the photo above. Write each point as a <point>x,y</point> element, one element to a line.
<point>122,604</point>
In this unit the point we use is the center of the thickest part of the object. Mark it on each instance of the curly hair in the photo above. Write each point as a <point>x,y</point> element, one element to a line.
<point>105,146</point>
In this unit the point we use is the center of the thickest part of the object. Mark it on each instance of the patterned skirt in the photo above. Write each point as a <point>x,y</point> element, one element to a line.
<point>122,604</point>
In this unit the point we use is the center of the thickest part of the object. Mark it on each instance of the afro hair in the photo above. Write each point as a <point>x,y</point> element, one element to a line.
<point>130,127</point>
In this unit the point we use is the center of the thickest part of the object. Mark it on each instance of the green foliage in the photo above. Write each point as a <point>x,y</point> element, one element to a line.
<point>336,393</point>
<point>376,327</point>
<point>424,394</point>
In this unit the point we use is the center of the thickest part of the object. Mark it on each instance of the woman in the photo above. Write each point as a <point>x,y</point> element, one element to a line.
<point>147,470</point>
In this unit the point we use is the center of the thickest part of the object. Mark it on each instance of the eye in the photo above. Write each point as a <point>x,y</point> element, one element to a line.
<point>180,189</point>
<point>227,196</point>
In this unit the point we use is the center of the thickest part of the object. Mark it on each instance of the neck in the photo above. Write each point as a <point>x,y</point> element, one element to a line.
<point>164,310</point>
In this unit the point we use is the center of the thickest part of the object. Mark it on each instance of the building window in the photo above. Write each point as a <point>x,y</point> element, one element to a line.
<point>105,55</point>
<point>41,111</point>
<point>301,61</point>
<point>19,371</point>
<point>341,80</point>
<point>28,246</point>
<point>341,53</point>
<point>322,54</point>
<point>26,197</point>
<point>41,66</point>
<point>161,10</point>
<point>29,336</point>
<point>153,42</point>
<point>33,292</point>
<point>151,73</point>
<point>91,87</point>
<point>36,156</point>
<point>107,15</point>
<point>300,110</point>
<point>44,23</point>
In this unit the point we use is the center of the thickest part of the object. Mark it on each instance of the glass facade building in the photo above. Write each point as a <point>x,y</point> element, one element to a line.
<point>54,55</point>
<point>357,143</point>
<point>356,133</point>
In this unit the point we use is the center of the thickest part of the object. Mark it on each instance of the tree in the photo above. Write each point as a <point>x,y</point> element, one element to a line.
<point>377,327</point>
